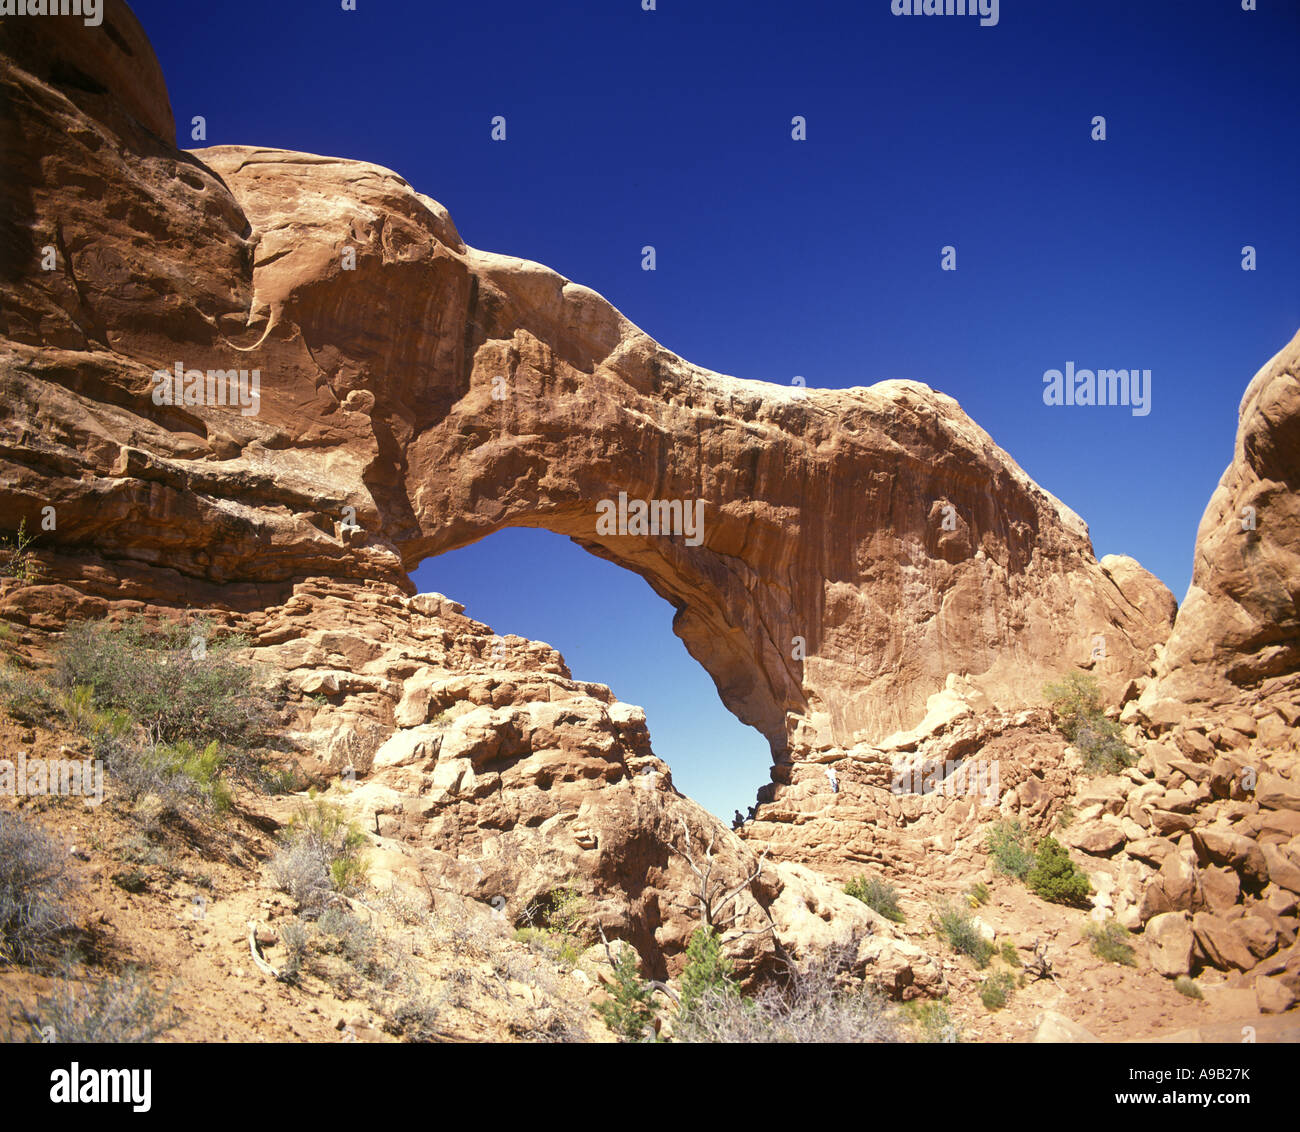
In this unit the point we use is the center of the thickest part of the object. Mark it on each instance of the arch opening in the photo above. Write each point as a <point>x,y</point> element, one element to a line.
<point>613,629</point>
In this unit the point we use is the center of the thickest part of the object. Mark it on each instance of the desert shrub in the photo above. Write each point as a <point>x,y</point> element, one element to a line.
<point>561,910</point>
<point>413,1016</point>
<point>119,1010</point>
<point>343,933</point>
<point>1065,817</point>
<point>1076,708</point>
<point>995,991</point>
<point>26,697</point>
<point>34,889</point>
<point>1008,843</point>
<point>466,933</point>
<point>296,940</point>
<point>1010,956</point>
<point>1101,743</point>
<point>177,774</point>
<point>978,894</point>
<point>77,705</point>
<point>878,895</point>
<point>320,852</point>
<point>1055,877</point>
<point>175,691</point>
<point>1073,701</point>
<point>931,1022</point>
<point>707,971</point>
<point>956,926</point>
<point>1187,987</point>
<point>629,1011</point>
<point>555,924</point>
<point>1110,941</point>
<point>17,559</point>
<point>816,1003</point>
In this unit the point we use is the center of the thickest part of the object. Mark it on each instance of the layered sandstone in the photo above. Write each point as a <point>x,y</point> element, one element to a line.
<point>877,581</point>
<point>1237,636</point>
<point>859,546</point>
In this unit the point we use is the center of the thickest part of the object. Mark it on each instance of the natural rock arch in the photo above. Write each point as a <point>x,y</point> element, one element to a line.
<point>860,545</point>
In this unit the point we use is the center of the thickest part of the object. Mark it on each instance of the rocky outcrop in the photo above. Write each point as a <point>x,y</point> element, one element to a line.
<point>857,547</point>
<point>874,584</point>
<point>1237,636</point>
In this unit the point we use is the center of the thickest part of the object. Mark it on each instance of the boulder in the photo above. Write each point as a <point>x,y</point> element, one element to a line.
<point>1273,792</point>
<point>1054,1027</point>
<point>1224,847</point>
<point>1099,838</point>
<point>1220,888</point>
<point>1169,943</point>
<point>1221,943</point>
<point>1273,995</point>
<point>1283,868</point>
<point>1258,934</point>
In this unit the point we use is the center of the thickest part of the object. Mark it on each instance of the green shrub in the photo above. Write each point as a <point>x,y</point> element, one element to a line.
<point>1055,877</point>
<point>77,705</point>
<point>184,770</point>
<point>978,894</point>
<point>956,926</point>
<point>1187,987</point>
<point>563,910</point>
<point>815,1004</point>
<point>27,698</point>
<point>1010,956</point>
<point>1008,843</point>
<point>556,923</point>
<point>1110,941</point>
<point>629,1011</point>
<point>878,895</point>
<point>111,1011</point>
<point>931,1021</point>
<point>707,970</point>
<point>173,687</point>
<point>34,889</point>
<point>563,949</point>
<point>995,991</point>
<point>320,850</point>
<point>19,560</point>
<point>1101,743</point>
<point>1074,701</point>
<point>1076,707</point>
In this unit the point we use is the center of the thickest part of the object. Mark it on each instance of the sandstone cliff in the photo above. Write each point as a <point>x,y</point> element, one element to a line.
<point>876,578</point>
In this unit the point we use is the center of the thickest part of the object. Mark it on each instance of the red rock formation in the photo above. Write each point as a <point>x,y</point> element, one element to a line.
<point>870,560</point>
<point>1238,633</point>
<point>859,546</point>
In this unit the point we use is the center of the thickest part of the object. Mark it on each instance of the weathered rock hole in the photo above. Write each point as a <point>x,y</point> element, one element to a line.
<point>612,629</point>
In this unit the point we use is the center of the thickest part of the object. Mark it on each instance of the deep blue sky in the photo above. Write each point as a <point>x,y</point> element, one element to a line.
<point>821,258</point>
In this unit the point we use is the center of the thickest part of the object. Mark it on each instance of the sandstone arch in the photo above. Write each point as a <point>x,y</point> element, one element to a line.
<point>824,511</point>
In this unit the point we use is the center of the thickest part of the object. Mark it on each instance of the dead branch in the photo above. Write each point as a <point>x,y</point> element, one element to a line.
<point>1040,966</point>
<point>713,897</point>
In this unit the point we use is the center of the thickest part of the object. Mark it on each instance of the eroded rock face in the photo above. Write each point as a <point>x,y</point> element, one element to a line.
<point>874,582</point>
<point>1237,637</point>
<point>858,546</point>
